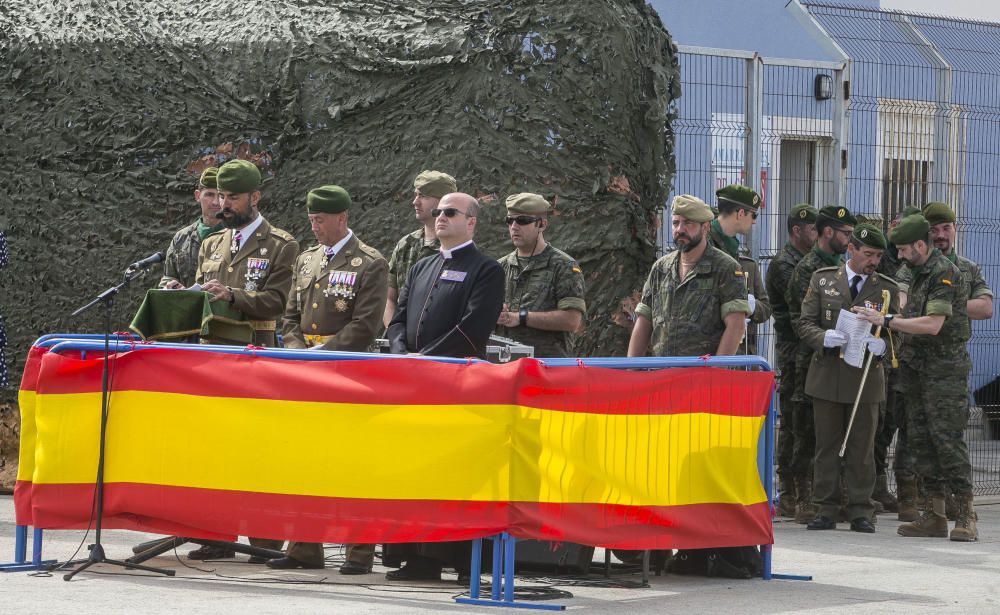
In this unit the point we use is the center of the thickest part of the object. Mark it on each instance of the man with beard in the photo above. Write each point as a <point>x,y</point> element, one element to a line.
<point>448,307</point>
<point>934,371</point>
<point>694,301</point>
<point>181,262</point>
<point>834,385</point>
<point>249,265</point>
<point>543,298</point>
<point>428,188</point>
<point>833,228</point>
<point>801,225</point>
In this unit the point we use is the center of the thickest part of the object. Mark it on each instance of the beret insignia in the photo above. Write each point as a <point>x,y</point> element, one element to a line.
<point>841,212</point>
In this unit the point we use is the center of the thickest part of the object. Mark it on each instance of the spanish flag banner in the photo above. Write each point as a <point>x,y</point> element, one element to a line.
<point>207,444</point>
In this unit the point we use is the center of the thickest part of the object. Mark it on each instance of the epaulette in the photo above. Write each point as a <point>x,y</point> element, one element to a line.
<point>830,268</point>
<point>280,234</point>
<point>312,249</point>
<point>886,278</point>
<point>216,233</point>
<point>370,251</point>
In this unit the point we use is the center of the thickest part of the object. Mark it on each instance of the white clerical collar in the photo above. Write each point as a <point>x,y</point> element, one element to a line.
<point>851,273</point>
<point>247,231</point>
<point>447,254</point>
<point>337,247</point>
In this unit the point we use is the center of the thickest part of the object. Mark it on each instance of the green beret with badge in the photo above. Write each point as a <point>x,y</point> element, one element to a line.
<point>434,184</point>
<point>938,213</point>
<point>328,200</point>
<point>209,178</point>
<point>528,203</point>
<point>692,208</point>
<point>803,212</point>
<point>238,176</point>
<point>739,195</point>
<point>869,235</point>
<point>910,229</point>
<point>837,215</point>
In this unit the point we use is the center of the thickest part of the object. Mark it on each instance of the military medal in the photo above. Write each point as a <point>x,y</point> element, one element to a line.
<point>356,261</point>
<point>341,305</point>
<point>250,286</point>
<point>263,251</point>
<point>255,271</point>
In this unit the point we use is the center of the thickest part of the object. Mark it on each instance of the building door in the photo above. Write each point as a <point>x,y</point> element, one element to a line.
<point>797,173</point>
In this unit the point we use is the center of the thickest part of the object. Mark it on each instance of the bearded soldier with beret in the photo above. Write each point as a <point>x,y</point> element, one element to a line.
<point>428,188</point>
<point>181,262</point>
<point>543,294</point>
<point>694,301</point>
<point>934,371</point>
<point>336,303</point>
<point>738,207</point>
<point>834,385</point>
<point>834,226</point>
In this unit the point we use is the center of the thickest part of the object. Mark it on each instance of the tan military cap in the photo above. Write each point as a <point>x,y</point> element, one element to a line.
<point>435,184</point>
<point>692,208</point>
<point>528,203</point>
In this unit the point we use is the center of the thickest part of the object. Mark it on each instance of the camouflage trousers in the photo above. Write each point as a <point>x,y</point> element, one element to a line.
<point>892,422</point>
<point>937,411</point>
<point>803,432</point>
<point>786,389</point>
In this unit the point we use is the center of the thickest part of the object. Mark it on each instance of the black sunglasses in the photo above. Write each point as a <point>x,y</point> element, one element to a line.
<point>522,220</point>
<point>751,212</point>
<point>449,212</point>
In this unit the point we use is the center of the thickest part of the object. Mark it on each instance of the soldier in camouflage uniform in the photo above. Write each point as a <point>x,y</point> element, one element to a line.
<point>428,188</point>
<point>833,228</point>
<point>801,225</point>
<point>694,301</point>
<point>543,289</point>
<point>181,262</point>
<point>934,371</point>
<point>738,207</point>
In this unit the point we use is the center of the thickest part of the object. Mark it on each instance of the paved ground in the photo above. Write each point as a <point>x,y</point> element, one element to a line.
<point>880,573</point>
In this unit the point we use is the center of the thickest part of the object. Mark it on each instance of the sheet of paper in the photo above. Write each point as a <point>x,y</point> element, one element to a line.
<point>856,331</point>
<point>195,287</point>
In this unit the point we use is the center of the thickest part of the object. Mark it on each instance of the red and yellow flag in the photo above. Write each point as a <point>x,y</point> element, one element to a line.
<point>205,444</point>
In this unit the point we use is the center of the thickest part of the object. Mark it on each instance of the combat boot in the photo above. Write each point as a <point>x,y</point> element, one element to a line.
<point>805,509</point>
<point>881,495</point>
<point>906,488</point>
<point>786,499</point>
<point>965,523</point>
<point>932,524</point>
<point>951,506</point>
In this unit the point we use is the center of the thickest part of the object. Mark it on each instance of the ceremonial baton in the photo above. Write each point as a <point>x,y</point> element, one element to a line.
<point>864,375</point>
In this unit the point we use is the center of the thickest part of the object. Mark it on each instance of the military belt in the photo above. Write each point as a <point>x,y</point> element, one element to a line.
<point>262,325</point>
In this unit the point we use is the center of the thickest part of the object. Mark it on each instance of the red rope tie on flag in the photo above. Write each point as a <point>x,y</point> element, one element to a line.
<point>705,357</point>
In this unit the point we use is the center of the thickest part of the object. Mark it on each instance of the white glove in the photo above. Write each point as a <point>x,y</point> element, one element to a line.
<point>316,347</point>
<point>876,346</point>
<point>834,339</point>
<point>753,304</point>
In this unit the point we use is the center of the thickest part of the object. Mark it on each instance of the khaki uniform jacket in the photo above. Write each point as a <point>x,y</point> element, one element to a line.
<point>341,300</point>
<point>830,378</point>
<point>260,286</point>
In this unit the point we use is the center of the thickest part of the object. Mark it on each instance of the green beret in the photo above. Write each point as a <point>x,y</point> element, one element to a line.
<point>692,208</point>
<point>528,203</point>
<point>837,215</point>
<point>910,229</point>
<point>803,212</point>
<point>909,211</point>
<point>872,219</point>
<point>327,200</point>
<point>238,176</point>
<point>739,195</point>
<point>869,235</point>
<point>209,177</point>
<point>938,213</point>
<point>435,184</point>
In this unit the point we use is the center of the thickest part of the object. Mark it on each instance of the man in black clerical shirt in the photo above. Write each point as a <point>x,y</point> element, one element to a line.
<point>450,302</point>
<point>447,307</point>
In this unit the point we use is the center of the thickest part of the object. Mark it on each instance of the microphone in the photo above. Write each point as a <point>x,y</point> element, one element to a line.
<point>147,262</point>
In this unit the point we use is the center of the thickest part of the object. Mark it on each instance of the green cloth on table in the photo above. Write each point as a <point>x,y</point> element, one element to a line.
<point>171,315</point>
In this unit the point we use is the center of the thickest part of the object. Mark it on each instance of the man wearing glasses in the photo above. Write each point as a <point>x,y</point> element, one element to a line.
<point>543,296</point>
<point>834,226</point>
<point>738,207</point>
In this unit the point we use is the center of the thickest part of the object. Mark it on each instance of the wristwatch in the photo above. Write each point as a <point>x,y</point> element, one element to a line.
<point>886,320</point>
<point>522,316</point>
<point>232,297</point>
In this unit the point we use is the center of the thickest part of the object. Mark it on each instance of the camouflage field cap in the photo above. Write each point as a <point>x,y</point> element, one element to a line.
<point>837,215</point>
<point>528,203</point>
<point>692,208</point>
<point>434,184</point>
<point>910,229</point>
<point>867,234</point>
<point>238,176</point>
<point>739,195</point>
<point>803,212</point>
<point>328,200</point>
<point>209,178</point>
<point>938,213</point>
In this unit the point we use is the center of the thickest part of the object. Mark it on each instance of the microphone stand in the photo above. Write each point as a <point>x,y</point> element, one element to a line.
<point>97,556</point>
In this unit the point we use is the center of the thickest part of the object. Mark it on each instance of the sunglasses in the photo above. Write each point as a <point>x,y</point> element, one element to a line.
<point>449,212</point>
<point>522,220</point>
<point>751,212</point>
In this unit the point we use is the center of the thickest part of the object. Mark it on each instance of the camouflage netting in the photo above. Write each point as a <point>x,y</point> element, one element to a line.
<point>111,108</point>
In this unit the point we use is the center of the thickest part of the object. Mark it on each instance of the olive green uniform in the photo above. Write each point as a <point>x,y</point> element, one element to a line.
<point>409,249</point>
<point>687,315</point>
<point>833,386</point>
<point>550,280</point>
<point>754,283</point>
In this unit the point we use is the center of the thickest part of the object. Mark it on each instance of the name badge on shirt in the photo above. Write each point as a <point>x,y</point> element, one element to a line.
<point>453,276</point>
